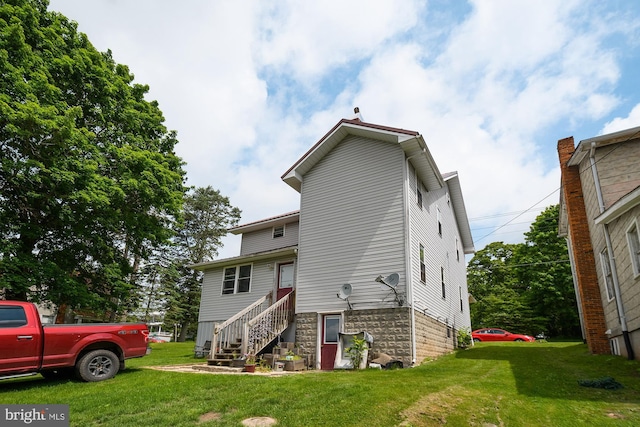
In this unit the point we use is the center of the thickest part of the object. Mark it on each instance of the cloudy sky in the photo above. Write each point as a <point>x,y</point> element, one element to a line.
<point>491,85</point>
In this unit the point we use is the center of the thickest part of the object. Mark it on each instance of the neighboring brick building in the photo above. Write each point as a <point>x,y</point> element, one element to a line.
<point>600,217</point>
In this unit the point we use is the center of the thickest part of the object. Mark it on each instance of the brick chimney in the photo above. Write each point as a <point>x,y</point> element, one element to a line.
<point>584,259</point>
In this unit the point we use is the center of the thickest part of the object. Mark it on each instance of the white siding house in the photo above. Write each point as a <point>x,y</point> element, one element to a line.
<point>372,203</point>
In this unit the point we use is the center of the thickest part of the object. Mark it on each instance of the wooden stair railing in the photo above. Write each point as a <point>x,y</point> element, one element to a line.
<point>260,330</point>
<point>230,332</point>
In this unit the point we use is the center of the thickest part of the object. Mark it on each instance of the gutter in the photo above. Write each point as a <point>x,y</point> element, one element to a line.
<point>612,262</point>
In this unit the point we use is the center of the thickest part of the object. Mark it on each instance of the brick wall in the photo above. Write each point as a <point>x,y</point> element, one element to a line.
<point>584,259</point>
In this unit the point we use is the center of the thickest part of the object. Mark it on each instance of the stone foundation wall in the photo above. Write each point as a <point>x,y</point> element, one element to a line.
<point>307,332</point>
<point>433,338</point>
<point>390,327</point>
<point>391,331</point>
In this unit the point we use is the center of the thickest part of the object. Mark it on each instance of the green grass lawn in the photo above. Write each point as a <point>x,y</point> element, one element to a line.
<point>505,384</point>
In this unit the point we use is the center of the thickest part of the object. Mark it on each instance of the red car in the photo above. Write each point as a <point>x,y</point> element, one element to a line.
<point>495,334</point>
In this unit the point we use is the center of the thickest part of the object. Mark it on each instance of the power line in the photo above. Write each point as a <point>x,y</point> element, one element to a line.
<point>479,218</point>
<point>529,264</point>
<point>557,189</point>
<point>520,214</point>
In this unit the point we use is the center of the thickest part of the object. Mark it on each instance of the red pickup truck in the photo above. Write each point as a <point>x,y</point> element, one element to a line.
<point>95,351</point>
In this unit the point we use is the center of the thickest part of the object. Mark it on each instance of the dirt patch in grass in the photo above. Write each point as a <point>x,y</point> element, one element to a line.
<point>209,416</point>
<point>433,409</point>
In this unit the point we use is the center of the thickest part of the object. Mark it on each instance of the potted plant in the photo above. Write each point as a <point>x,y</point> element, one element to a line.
<point>356,351</point>
<point>293,362</point>
<point>249,362</point>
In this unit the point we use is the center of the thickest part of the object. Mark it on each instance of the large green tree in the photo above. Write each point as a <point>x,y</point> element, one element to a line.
<point>525,287</point>
<point>89,181</point>
<point>545,272</point>
<point>492,280</point>
<point>206,218</point>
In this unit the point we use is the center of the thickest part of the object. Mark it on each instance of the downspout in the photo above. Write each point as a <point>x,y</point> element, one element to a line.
<point>612,261</point>
<point>407,244</point>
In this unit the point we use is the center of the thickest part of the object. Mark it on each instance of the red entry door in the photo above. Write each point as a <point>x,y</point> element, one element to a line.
<point>285,279</point>
<point>330,329</point>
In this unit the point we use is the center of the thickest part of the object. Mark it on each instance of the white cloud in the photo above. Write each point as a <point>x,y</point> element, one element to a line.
<point>622,123</point>
<point>251,85</point>
<point>310,38</point>
<point>503,34</point>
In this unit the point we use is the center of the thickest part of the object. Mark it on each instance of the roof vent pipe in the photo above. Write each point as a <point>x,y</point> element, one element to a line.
<point>357,116</point>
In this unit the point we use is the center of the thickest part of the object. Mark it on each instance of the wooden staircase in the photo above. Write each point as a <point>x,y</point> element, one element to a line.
<point>225,356</point>
<point>251,330</point>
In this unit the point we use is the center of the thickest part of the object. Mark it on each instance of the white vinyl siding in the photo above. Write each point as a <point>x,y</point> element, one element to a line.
<point>217,307</point>
<point>351,225</point>
<point>263,240</point>
<point>441,257</point>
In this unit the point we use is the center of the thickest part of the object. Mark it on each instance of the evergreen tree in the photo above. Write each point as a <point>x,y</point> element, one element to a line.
<point>206,217</point>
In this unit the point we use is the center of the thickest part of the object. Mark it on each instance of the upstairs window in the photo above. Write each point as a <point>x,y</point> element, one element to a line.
<point>633,239</point>
<point>439,218</point>
<point>236,279</point>
<point>423,269</point>
<point>278,231</point>
<point>419,195</point>
<point>457,249</point>
<point>606,272</point>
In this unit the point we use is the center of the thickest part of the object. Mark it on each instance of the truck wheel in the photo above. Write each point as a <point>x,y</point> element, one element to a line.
<point>97,365</point>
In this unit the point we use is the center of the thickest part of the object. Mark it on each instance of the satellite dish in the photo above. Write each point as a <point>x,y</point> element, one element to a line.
<point>345,291</point>
<point>391,280</point>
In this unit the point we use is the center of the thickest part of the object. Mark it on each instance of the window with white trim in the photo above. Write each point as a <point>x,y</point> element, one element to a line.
<point>606,273</point>
<point>439,218</point>
<point>633,239</point>
<point>236,279</point>
<point>278,231</point>
<point>457,249</point>
<point>419,194</point>
<point>423,268</point>
<point>461,302</point>
<point>444,291</point>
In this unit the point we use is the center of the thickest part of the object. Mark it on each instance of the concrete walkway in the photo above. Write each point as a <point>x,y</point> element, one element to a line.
<point>220,370</point>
